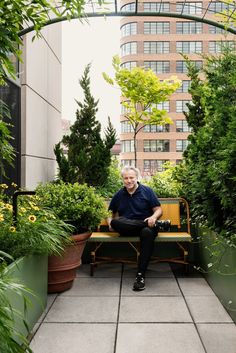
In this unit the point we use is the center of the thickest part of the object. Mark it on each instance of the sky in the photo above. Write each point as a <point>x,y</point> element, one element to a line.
<point>95,43</point>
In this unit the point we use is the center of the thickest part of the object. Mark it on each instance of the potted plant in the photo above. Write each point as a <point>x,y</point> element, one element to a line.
<point>36,234</point>
<point>78,205</point>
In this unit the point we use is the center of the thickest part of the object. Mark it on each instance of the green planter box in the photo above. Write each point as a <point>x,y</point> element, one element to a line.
<point>222,276</point>
<point>32,272</point>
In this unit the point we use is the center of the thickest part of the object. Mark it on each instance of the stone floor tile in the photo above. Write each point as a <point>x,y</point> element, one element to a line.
<point>106,270</point>
<point>74,338</point>
<point>158,338</point>
<point>207,309</point>
<point>195,286</point>
<point>154,286</point>
<point>218,338</point>
<point>160,269</point>
<point>94,287</point>
<point>153,309</point>
<point>83,309</point>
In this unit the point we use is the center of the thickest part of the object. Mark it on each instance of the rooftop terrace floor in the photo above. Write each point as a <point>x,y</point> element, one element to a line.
<point>101,314</point>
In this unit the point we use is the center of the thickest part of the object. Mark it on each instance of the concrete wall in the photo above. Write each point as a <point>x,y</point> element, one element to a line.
<point>40,76</point>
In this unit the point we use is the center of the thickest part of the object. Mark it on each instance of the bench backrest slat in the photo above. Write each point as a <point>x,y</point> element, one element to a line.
<point>171,211</point>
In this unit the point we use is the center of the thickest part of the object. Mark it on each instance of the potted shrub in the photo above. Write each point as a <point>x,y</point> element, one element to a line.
<point>78,205</point>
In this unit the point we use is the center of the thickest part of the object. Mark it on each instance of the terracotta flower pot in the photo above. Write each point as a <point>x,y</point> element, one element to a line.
<point>62,269</point>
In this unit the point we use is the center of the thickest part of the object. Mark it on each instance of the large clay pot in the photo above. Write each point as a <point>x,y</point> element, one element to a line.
<point>62,269</point>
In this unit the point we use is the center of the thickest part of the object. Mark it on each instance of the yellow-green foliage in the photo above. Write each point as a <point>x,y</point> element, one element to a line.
<point>165,184</point>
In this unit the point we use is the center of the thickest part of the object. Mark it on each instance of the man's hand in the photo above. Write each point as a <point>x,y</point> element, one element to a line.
<point>151,221</point>
<point>157,212</point>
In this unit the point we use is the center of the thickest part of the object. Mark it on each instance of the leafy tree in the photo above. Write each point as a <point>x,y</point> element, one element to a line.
<point>114,181</point>
<point>141,91</point>
<point>209,178</point>
<point>88,155</point>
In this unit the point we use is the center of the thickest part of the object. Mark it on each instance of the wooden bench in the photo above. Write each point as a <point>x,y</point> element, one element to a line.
<point>174,209</point>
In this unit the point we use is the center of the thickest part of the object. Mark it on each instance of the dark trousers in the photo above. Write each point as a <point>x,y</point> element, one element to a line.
<point>131,227</point>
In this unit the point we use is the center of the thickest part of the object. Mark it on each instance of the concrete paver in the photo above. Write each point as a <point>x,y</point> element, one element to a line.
<point>94,287</point>
<point>207,309</point>
<point>174,314</point>
<point>194,286</point>
<point>153,309</point>
<point>74,338</point>
<point>218,338</point>
<point>153,338</point>
<point>83,309</point>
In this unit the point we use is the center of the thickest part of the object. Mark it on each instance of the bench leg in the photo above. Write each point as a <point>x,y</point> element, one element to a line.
<point>91,269</point>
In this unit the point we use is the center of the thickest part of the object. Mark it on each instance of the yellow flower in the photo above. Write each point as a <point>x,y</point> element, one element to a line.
<point>1,218</point>
<point>36,208</point>
<point>23,209</point>
<point>4,186</point>
<point>8,206</point>
<point>14,185</point>
<point>32,218</point>
<point>12,229</point>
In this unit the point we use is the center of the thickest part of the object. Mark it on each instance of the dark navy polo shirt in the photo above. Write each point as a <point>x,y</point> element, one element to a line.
<point>139,205</point>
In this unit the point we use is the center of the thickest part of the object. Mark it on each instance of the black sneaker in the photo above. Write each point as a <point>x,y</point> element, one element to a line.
<point>139,283</point>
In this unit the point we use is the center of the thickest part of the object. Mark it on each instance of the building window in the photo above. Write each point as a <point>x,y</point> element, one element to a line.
<point>156,128</point>
<point>127,146</point>
<point>182,126</point>
<point>181,106</point>
<point>127,162</point>
<point>158,67</point>
<point>156,7</point>
<point>129,48</point>
<point>152,165</point>
<point>156,28</point>
<point>129,29</point>
<point>124,109</point>
<point>181,66</point>
<point>160,106</point>
<point>181,145</point>
<point>128,7</point>
<point>189,47</point>
<point>156,47</point>
<point>192,8</point>
<point>216,30</point>
<point>164,106</point>
<point>126,127</point>
<point>129,65</point>
<point>156,145</point>
<point>188,27</point>
<point>218,46</point>
<point>218,6</point>
<point>184,86</point>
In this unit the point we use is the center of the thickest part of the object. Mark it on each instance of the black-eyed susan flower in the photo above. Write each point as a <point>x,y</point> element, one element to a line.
<point>8,206</point>
<point>3,186</point>
<point>1,218</point>
<point>32,218</point>
<point>12,229</point>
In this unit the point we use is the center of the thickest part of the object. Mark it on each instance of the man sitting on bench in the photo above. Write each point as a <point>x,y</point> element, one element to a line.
<point>135,211</point>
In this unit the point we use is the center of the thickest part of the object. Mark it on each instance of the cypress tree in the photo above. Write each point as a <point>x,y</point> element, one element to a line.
<point>87,157</point>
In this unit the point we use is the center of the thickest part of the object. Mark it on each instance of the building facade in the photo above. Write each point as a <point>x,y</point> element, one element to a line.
<point>157,43</point>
